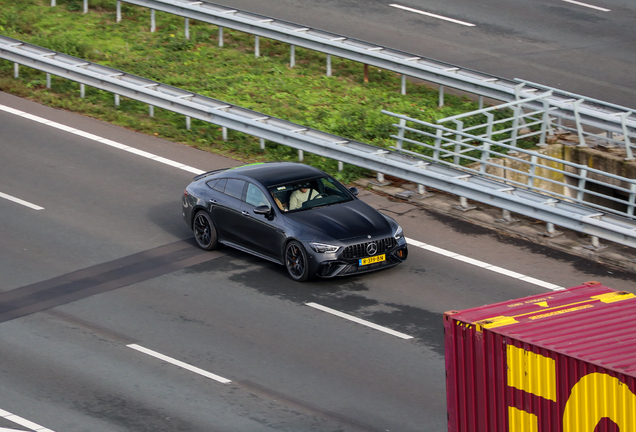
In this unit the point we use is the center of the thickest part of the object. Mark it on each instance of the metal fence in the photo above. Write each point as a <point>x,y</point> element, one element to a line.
<point>414,169</point>
<point>474,150</point>
<point>619,123</point>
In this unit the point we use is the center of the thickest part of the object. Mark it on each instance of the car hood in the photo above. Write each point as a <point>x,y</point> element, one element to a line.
<point>343,221</point>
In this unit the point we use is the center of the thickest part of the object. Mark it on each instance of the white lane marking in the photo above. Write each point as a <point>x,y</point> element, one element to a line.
<point>406,8</point>
<point>483,265</point>
<point>22,422</point>
<point>179,363</point>
<point>101,140</point>
<point>587,5</point>
<point>358,320</point>
<point>19,201</point>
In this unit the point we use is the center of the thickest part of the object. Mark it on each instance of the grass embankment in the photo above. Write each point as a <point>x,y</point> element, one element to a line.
<point>342,104</point>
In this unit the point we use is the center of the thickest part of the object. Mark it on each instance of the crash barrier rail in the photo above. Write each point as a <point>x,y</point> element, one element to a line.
<point>414,169</point>
<point>501,160</point>
<point>580,110</point>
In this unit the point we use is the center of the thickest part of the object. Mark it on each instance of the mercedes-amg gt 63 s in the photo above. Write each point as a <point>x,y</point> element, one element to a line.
<point>294,215</point>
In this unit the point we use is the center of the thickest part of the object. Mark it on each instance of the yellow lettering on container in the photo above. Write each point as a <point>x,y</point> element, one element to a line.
<point>532,373</point>
<point>521,421</point>
<point>595,397</point>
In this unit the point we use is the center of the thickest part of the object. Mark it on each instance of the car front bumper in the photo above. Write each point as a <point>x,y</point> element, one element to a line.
<point>329,268</point>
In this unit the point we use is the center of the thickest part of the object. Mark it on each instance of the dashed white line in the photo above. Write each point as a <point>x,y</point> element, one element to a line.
<point>179,363</point>
<point>100,140</point>
<point>432,15</point>
<point>587,5</point>
<point>20,201</point>
<point>22,422</point>
<point>483,265</point>
<point>358,320</point>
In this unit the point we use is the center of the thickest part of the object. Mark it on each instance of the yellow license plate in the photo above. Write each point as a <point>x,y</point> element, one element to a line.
<point>372,260</point>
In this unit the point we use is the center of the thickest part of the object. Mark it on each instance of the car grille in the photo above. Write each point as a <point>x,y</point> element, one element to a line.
<point>360,250</point>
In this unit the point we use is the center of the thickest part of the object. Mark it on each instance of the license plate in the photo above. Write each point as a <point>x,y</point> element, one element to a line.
<point>372,260</point>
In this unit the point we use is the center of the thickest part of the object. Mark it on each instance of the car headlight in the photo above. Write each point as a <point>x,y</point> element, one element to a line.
<point>323,248</point>
<point>398,233</point>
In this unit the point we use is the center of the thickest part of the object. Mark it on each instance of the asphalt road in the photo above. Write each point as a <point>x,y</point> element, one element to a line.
<point>106,268</point>
<point>568,46</point>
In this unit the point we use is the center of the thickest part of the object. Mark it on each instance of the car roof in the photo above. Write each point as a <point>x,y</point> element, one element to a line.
<point>274,173</point>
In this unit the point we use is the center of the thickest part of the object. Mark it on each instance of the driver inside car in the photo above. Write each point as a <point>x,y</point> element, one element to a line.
<point>299,196</point>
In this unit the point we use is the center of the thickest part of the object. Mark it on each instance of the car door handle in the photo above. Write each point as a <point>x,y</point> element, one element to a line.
<point>212,201</point>
<point>245,213</point>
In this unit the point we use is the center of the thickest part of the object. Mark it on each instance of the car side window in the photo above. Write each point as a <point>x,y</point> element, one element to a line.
<point>220,185</point>
<point>211,183</point>
<point>234,188</point>
<point>255,196</point>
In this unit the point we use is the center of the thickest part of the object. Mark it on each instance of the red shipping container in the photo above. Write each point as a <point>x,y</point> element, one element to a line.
<point>560,362</point>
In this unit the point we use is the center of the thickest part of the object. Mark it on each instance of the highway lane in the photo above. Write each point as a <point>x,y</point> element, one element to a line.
<point>292,367</point>
<point>564,45</point>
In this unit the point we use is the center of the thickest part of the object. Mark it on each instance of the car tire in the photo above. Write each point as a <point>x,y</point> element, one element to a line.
<point>296,261</point>
<point>204,231</point>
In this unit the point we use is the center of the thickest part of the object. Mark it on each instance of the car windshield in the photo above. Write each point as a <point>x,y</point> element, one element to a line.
<point>309,193</point>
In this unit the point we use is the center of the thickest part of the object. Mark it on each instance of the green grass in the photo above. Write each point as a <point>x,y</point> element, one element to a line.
<point>342,104</point>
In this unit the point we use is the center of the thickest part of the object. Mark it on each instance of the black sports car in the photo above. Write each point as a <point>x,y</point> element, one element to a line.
<point>294,215</point>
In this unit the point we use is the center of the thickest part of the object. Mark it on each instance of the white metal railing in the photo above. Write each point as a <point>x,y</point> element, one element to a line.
<point>481,155</point>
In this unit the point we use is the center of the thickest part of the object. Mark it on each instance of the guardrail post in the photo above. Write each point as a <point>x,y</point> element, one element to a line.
<point>579,127</point>
<point>118,10</point>
<point>400,139</point>
<point>580,191</point>
<point>151,110</point>
<point>489,127</point>
<point>48,80</point>
<point>153,26</point>
<point>628,144</point>
<point>52,2</point>
<point>463,205</point>
<point>632,200</point>
<point>340,166</point>
<point>116,100</point>
<point>507,217</point>
<point>224,133</point>
<point>220,36</point>
<point>403,84</point>
<point>438,144</point>
<point>485,155</point>
<point>257,47</point>
<point>531,171</point>
<point>328,65</point>
<point>301,155</point>
<point>515,128</point>
<point>262,143</point>
<point>545,124</point>
<point>481,102</point>
<point>550,231</point>
<point>292,56</point>
<point>16,70</point>
<point>366,73</point>
<point>186,29</point>
<point>458,141</point>
<point>85,6</point>
<point>440,100</point>
<point>188,123</point>
<point>82,91</point>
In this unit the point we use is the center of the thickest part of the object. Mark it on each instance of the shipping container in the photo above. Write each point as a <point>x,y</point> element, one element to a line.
<point>560,362</point>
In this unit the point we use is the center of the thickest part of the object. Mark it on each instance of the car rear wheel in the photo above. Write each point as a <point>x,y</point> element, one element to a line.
<point>204,231</point>
<point>296,261</point>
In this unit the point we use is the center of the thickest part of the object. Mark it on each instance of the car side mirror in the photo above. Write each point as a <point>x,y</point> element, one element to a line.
<point>354,190</point>
<point>263,210</point>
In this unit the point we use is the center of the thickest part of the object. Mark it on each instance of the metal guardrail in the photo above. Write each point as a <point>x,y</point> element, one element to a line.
<point>499,194</point>
<point>579,109</point>
<point>502,160</point>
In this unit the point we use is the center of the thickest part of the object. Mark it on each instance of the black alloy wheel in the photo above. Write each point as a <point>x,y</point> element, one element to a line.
<point>204,231</point>
<point>296,261</point>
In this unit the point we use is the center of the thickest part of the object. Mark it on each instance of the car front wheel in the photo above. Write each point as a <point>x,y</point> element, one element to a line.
<point>204,231</point>
<point>296,261</point>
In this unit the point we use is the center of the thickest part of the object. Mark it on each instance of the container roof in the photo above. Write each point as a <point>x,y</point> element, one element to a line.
<point>590,322</point>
